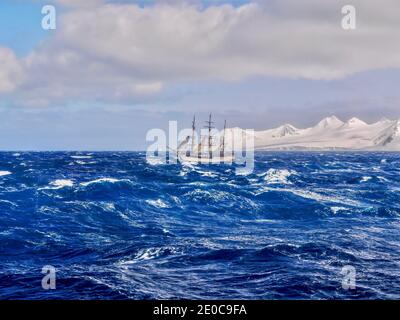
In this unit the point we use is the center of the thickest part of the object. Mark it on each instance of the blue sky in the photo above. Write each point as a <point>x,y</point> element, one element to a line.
<point>100,82</point>
<point>20,25</point>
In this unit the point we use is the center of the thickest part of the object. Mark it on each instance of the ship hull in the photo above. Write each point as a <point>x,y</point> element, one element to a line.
<point>228,159</point>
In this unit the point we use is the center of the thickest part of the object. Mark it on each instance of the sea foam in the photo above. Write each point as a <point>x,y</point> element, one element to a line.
<point>58,184</point>
<point>5,173</point>
<point>102,180</point>
<point>278,176</point>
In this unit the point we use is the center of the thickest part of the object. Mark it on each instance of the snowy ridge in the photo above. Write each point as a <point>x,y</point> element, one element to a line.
<point>329,134</point>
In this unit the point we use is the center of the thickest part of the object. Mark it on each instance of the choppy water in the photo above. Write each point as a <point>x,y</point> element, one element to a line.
<point>116,227</point>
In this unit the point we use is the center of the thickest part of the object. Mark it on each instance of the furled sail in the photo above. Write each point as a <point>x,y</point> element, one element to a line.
<point>200,147</point>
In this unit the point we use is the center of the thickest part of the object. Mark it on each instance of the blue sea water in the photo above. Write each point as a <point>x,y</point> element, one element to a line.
<point>116,227</point>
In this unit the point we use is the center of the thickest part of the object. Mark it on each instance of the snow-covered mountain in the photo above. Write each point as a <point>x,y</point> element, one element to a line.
<point>329,134</point>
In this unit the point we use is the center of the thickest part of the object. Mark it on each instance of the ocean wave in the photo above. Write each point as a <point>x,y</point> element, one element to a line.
<point>58,184</point>
<point>206,195</point>
<point>7,202</point>
<point>61,183</point>
<point>80,162</point>
<point>326,198</point>
<point>382,179</point>
<point>319,197</point>
<point>155,161</point>
<point>5,173</point>
<point>209,174</point>
<point>318,171</point>
<point>158,203</point>
<point>149,254</point>
<point>107,206</point>
<point>81,157</point>
<point>336,210</point>
<point>278,176</point>
<point>258,221</point>
<point>125,229</point>
<point>103,180</point>
<point>244,171</point>
<point>365,179</point>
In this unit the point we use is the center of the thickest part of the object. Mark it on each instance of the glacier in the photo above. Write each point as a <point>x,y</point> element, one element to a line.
<point>329,134</point>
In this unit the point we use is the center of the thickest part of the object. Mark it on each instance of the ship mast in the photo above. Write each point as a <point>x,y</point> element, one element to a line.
<point>193,130</point>
<point>200,148</point>
<point>209,127</point>
<point>223,141</point>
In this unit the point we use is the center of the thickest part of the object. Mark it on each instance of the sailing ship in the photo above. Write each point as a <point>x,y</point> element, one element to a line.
<point>205,152</point>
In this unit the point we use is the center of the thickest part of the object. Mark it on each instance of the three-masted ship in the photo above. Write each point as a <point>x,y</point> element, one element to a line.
<point>205,151</point>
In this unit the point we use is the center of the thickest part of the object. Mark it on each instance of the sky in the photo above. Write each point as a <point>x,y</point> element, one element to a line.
<point>113,70</point>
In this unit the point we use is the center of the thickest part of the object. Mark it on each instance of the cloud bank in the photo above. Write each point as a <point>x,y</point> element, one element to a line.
<point>121,52</point>
<point>10,70</point>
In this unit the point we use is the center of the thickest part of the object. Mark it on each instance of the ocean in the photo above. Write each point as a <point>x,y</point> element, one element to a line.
<point>115,227</point>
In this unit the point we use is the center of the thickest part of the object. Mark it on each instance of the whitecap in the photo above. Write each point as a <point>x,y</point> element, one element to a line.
<point>333,171</point>
<point>5,173</point>
<point>108,206</point>
<point>8,202</point>
<point>259,221</point>
<point>158,203</point>
<point>324,198</point>
<point>244,171</point>
<point>153,161</point>
<point>62,183</point>
<point>208,174</point>
<point>81,157</point>
<point>198,183</point>
<point>365,179</point>
<point>58,184</point>
<point>186,169</point>
<point>148,254</point>
<point>183,173</point>
<point>101,180</point>
<point>16,154</point>
<point>335,210</point>
<point>278,176</point>
<point>314,196</point>
<point>214,195</point>
<point>176,200</point>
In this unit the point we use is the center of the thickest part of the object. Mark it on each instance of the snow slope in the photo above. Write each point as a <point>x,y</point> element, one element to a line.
<point>329,134</point>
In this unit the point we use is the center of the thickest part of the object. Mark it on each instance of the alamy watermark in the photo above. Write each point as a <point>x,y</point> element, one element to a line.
<point>349,21</point>
<point>349,277</point>
<point>49,280</point>
<point>49,21</point>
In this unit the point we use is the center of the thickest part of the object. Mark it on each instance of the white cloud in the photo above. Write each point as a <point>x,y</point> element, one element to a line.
<point>10,70</point>
<point>79,3</point>
<point>148,88</point>
<point>122,51</point>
